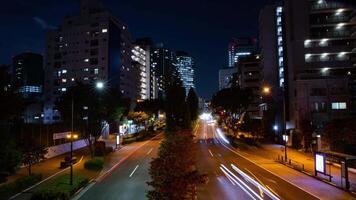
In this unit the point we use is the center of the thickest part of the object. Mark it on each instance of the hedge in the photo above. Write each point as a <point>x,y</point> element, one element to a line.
<point>9,189</point>
<point>96,163</point>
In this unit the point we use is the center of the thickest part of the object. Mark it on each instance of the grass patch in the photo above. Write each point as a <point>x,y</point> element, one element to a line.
<point>95,163</point>
<point>59,188</point>
<point>9,189</point>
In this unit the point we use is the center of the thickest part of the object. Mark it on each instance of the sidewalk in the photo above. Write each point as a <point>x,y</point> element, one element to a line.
<point>265,157</point>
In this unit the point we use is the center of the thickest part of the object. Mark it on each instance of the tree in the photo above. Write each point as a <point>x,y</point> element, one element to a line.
<point>193,104</point>
<point>173,172</point>
<point>150,106</point>
<point>306,130</point>
<point>32,153</point>
<point>10,155</point>
<point>340,135</point>
<point>91,108</point>
<point>140,118</point>
<point>175,104</point>
<point>233,99</point>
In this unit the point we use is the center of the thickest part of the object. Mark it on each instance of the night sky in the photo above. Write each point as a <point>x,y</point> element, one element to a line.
<point>202,28</point>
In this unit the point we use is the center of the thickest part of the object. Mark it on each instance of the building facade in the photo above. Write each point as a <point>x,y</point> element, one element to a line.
<point>86,48</point>
<point>141,62</point>
<point>239,48</point>
<point>250,78</point>
<point>185,68</point>
<point>226,77</point>
<point>28,79</point>
<point>162,68</point>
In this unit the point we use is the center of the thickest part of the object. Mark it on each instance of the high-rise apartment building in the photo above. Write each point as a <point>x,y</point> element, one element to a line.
<point>250,78</point>
<point>314,58</point>
<point>141,60</point>
<point>28,78</point>
<point>162,68</point>
<point>185,68</point>
<point>239,48</point>
<point>321,44</point>
<point>86,48</point>
<point>28,74</point>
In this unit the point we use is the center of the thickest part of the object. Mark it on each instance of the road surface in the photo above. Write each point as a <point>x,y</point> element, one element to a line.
<point>231,176</point>
<point>128,179</point>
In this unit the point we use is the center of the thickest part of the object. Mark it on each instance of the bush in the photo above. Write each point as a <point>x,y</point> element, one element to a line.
<point>59,188</point>
<point>96,163</point>
<point>7,190</point>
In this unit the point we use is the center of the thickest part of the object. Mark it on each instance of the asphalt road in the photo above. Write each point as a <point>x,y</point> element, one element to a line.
<point>128,180</point>
<point>232,176</point>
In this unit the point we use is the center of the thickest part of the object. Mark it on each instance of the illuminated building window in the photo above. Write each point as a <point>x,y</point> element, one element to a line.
<point>338,105</point>
<point>104,30</point>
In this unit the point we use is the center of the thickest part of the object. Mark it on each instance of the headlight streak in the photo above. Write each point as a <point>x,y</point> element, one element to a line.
<point>221,135</point>
<point>255,183</point>
<point>234,177</point>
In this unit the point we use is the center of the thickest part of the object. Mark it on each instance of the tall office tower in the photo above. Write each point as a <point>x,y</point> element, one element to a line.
<point>162,68</point>
<point>185,68</point>
<point>226,77</point>
<point>141,60</point>
<point>5,77</point>
<point>28,75</point>
<point>239,48</point>
<point>250,78</point>
<point>320,39</point>
<point>86,48</point>
<point>28,78</point>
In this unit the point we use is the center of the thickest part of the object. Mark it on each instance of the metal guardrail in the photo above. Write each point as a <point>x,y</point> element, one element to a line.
<point>291,163</point>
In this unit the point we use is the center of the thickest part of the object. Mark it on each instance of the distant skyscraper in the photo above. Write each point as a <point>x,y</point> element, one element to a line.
<point>28,78</point>
<point>162,68</point>
<point>86,48</point>
<point>28,74</point>
<point>239,48</point>
<point>185,69</point>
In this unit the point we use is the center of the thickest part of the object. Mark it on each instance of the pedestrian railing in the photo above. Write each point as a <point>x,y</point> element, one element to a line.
<point>291,163</point>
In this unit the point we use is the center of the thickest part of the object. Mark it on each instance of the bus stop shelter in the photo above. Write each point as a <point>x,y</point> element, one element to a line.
<point>344,160</point>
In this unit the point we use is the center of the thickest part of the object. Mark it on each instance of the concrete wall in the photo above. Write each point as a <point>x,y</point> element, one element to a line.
<point>57,150</point>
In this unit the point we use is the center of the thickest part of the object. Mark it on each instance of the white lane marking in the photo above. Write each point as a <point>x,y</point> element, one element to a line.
<point>268,170</point>
<point>211,153</point>
<point>243,183</point>
<point>149,151</point>
<point>133,171</point>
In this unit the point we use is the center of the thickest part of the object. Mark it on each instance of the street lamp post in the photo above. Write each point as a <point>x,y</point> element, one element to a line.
<point>71,137</point>
<point>267,90</point>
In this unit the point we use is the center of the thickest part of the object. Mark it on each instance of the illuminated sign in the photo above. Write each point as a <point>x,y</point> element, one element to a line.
<point>320,163</point>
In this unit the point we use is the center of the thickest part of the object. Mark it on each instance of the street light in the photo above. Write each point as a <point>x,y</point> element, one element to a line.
<point>100,85</point>
<point>71,137</point>
<point>266,90</point>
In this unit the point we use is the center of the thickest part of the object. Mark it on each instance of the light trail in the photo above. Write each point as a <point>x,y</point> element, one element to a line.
<point>226,172</point>
<point>255,183</point>
<point>221,135</point>
<point>133,171</point>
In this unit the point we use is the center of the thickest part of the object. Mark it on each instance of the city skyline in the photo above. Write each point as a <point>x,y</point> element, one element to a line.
<point>143,20</point>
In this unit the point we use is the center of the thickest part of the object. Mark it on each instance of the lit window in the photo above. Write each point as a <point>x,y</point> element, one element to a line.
<point>86,69</point>
<point>104,30</point>
<point>72,79</point>
<point>85,78</point>
<point>338,106</point>
<point>96,71</point>
<point>64,80</point>
<point>86,60</point>
<point>64,89</point>
<point>64,71</point>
